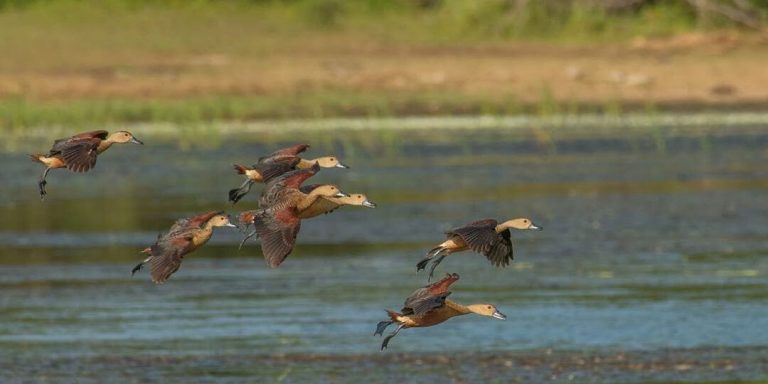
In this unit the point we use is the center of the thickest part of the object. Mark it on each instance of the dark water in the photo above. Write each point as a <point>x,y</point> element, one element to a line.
<point>647,248</point>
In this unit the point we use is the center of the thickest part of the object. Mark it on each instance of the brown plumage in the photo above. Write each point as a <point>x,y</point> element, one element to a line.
<point>429,306</point>
<point>487,237</point>
<point>276,164</point>
<point>261,173</point>
<point>184,236</point>
<point>277,221</point>
<point>79,152</point>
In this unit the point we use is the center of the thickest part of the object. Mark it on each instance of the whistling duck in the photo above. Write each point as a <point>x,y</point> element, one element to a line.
<point>277,221</point>
<point>276,164</point>
<point>79,152</point>
<point>329,204</point>
<point>185,236</point>
<point>487,237</point>
<point>428,306</point>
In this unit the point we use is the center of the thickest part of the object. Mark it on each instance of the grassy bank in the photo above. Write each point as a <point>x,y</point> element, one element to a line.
<point>92,62</point>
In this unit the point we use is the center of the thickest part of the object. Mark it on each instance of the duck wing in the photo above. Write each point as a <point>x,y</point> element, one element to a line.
<point>321,205</point>
<point>277,229</point>
<point>482,238</point>
<point>429,297</point>
<point>60,143</point>
<point>279,187</point>
<point>80,154</point>
<point>293,150</point>
<point>501,254</point>
<point>167,254</point>
<point>279,167</point>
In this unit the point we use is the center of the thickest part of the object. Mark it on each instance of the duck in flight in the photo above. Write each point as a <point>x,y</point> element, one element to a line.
<point>429,306</point>
<point>277,221</point>
<point>276,164</point>
<point>185,236</point>
<point>487,237</point>
<point>79,152</point>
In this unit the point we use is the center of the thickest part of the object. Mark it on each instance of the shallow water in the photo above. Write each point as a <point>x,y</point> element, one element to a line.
<point>650,243</point>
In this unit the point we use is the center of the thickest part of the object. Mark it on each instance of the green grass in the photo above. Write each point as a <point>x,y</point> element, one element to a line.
<point>58,39</point>
<point>430,21</point>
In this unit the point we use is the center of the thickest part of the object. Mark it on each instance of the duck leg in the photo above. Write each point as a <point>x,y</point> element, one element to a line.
<point>434,265</point>
<point>236,194</point>
<point>381,327</point>
<point>390,336</point>
<point>248,236</point>
<point>41,184</point>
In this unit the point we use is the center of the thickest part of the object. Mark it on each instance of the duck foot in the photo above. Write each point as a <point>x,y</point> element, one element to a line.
<point>41,187</point>
<point>434,265</point>
<point>248,236</point>
<point>422,264</point>
<point>385,342</point>
<point>381,327</point>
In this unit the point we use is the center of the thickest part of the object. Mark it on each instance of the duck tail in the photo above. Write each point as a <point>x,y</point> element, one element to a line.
<point>240,169</point>
<point>37,157</point>
<point>393,315</point>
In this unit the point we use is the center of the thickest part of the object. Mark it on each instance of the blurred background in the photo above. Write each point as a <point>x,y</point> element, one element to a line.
<point>633,131</point>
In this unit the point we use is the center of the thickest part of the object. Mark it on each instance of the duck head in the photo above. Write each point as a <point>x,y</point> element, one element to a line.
<point>521,223</point>
<point>487,310</point>
<point>360,199</point>
<point>328,190</point>
<point>330,162</point>
<point>220,220</point>
<point>121,137</point>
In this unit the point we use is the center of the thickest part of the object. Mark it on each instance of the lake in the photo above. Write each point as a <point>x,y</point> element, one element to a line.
<point>651,266</point>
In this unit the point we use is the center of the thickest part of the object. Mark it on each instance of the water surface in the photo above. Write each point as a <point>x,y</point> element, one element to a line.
<point>652,243</point>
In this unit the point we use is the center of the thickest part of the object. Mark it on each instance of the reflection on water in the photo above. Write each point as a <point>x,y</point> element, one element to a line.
<point>643,248</point>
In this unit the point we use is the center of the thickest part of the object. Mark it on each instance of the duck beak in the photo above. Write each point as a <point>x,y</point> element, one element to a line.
<point>499,315</point>
<point>230,225</point>
<point>535,227</point>
<point>369,204</point>
<point>341,194</point>
<point>136,141</point>
<point>341,165</point>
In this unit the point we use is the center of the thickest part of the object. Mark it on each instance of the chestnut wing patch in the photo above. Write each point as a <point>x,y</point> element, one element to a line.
<point>429,297</point>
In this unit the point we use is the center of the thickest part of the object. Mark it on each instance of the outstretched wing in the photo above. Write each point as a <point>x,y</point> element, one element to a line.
<point>482,238</point>
<point>80,155</point>
<point>429,297</point>
<point>320,206</point>
<point>167,254</point>
<point>60,143</point>
<point>277,230</point>
<point>279,187</point>
<point>293,150</point>
<point>279,167</point>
